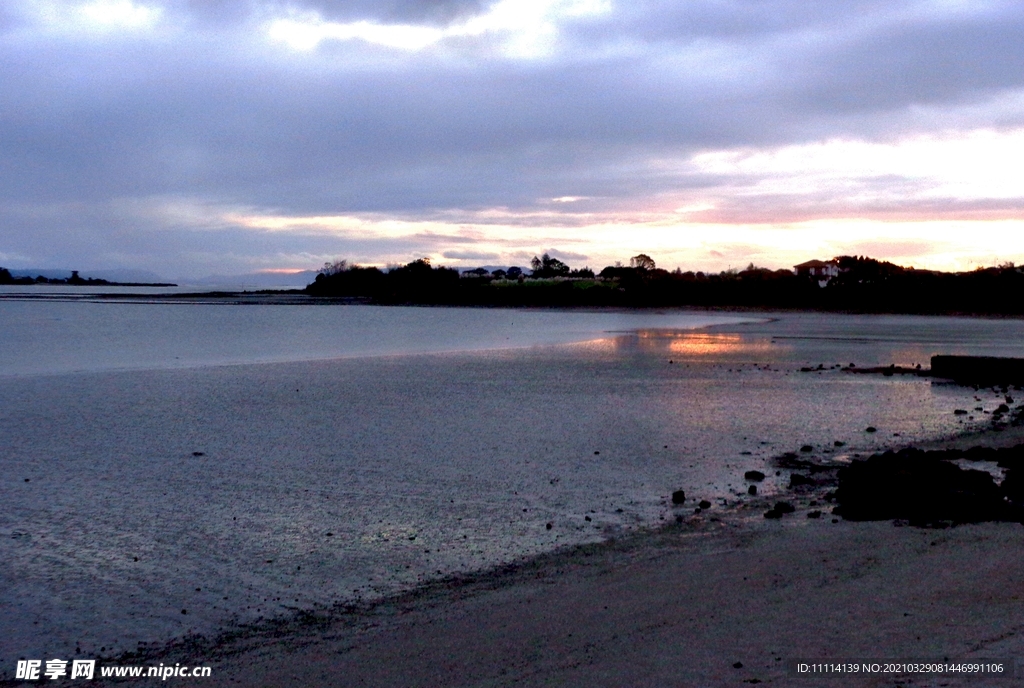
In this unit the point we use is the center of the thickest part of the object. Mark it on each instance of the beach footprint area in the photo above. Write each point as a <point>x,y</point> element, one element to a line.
<point>145,504</point>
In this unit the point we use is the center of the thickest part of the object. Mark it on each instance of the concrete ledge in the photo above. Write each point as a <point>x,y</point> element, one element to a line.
<point>979,370</point>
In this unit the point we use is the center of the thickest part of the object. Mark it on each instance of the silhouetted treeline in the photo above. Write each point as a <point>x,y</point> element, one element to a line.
<point>862,285</point>
<point>7,278</point>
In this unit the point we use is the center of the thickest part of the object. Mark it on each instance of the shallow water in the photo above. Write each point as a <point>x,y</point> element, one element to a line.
<point>74,336</point>
<point>249,490</point>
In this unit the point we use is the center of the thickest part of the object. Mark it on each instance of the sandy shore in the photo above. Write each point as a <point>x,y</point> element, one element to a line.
<point>719,600</point>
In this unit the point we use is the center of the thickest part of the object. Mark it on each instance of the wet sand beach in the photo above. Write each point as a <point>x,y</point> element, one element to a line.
<point>681,610</point>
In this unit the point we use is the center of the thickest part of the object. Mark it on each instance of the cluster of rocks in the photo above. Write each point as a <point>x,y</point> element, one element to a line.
<point>1002,416</point>
<point>815,477</point>
<point>925,488</point>
<point>807,477</point>
<point>679,499</point>
<point>922,488</point>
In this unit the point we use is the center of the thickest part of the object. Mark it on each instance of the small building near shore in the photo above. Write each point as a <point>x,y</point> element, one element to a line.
<point>819,269</point>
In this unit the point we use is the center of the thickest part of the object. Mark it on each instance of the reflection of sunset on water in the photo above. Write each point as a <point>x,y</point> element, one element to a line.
<point>702,344</point>
<point>684,344</point>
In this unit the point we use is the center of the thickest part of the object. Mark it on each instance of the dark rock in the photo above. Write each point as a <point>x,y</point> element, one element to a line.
<point>814,514</point>
<point>806,448</point>
<point>870,428</point>
<point>922,487</point>
<point>1007,458</point>
<point>779,510</point>
<point>549,526</point>
<point>838,443</point>
<point>796,480</point>
<point>1002,408</point>
<point>790,460</point>
<point>978,454</point>
<point>737,665</point>
<point>678,497</point>
<point>756,476</point>
<point>704,504</point>
<point>752,490</point>
<point>959,412</point>
<point>1013,486</point>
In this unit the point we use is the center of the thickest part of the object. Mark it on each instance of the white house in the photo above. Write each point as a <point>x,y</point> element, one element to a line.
<point>823,270</point>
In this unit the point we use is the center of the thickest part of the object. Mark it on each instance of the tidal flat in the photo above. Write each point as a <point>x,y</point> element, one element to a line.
<point>149,504</point>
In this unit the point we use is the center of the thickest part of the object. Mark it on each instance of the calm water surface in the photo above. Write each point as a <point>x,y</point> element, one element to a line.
<point>67,336</point>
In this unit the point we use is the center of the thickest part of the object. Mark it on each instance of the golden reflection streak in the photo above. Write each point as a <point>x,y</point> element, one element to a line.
<point>683,344</point>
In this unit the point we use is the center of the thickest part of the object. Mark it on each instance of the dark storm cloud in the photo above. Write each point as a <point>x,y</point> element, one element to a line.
<point>216,113</point>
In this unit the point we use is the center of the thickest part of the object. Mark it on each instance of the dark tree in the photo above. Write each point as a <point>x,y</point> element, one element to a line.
<point>546,266</point>
<point>642,261</point>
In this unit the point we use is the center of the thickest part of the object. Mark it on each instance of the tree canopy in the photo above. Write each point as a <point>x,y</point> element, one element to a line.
<point>546,266</point>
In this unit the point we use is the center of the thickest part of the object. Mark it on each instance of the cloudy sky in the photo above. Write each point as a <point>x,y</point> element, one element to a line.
<point>192,137</point>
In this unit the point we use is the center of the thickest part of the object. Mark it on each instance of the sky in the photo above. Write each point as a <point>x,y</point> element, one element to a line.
<point>192,137</point>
